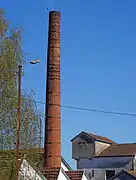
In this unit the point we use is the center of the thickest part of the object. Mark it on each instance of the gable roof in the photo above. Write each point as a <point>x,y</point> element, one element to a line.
<point>101,138</point>
<point>75,175</point>
<point>95,137</point>
<point>128,149</point>
<point>128,172</point>
<point>66,164</point>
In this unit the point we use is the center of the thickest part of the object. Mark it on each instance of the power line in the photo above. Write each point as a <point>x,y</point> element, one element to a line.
<point>92,110</point>
<point>87,109</point>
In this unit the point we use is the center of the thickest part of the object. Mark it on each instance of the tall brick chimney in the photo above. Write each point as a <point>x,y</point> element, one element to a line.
<point>52,146</point>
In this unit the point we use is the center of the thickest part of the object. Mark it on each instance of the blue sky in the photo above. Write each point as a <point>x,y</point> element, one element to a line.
<point>98,62</point>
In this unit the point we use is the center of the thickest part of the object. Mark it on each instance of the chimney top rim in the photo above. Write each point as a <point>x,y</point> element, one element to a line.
<point>54,12</point>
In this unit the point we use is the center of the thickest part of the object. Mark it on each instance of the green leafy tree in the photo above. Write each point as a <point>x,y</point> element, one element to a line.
<point>11,54</point>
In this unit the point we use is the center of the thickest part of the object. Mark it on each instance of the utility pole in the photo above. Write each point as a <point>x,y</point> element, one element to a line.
<point>19,114</point>
<point>18,120</point>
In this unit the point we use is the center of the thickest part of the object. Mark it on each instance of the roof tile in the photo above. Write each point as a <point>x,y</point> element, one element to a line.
<point>120,150</point>
<point>101,138</point>
<point>96,137</point>
<point>51,173</point>
<point>75,175</point>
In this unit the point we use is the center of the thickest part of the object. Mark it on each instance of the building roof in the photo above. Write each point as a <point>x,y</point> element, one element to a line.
<point>101,138</point>
<point>128,172</point>
<point>51,173</point>
<point>96,137</point>
<point>66,164</point>
<point>128,149</point>
<point>75,175</point>
<point>131,172</point>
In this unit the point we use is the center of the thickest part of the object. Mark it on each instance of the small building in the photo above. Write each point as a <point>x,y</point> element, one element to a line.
<point>103,158</point>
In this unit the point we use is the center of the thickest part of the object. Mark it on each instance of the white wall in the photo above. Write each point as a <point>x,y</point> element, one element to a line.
<point>84,177</point>
<point>62,175</point>
<point>100,146</point>
<point>27,172</point>
<point>64,167</point>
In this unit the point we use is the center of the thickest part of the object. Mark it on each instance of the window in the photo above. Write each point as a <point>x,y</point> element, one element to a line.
<point>109,174</point>
<point>92,173</point>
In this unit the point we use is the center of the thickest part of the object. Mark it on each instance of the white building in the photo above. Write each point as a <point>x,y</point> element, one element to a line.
<point>102,158</point>
<point>28,171</point>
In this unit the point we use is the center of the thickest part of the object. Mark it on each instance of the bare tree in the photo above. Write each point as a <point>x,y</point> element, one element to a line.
<point>11,55</point>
